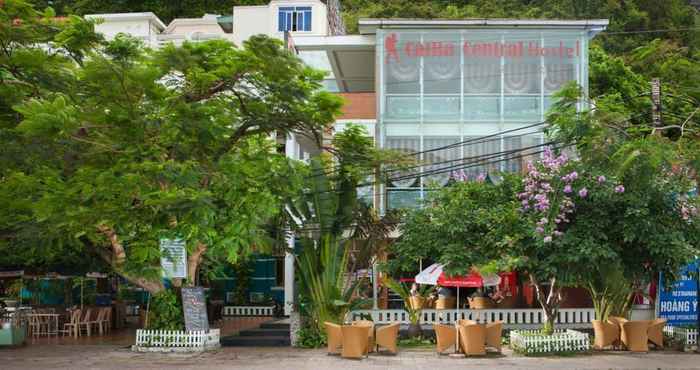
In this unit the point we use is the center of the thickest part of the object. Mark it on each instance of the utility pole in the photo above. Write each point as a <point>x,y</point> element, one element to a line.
<point>656,104</point>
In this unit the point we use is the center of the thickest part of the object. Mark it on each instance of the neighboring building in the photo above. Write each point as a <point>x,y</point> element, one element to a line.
<point>145,26</point>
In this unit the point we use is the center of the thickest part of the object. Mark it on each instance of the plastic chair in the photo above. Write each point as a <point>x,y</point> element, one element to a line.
<point>355,341</point>
<point>606,334</point>
<point>634,335</point>
<point>387,336</point>
<point>472,339</point>
<point>335,337</point>
<point>494,331</point>
<point>655,332</point>
<point>85,323</point>
<point>446,337</point>
<point>71,328</point>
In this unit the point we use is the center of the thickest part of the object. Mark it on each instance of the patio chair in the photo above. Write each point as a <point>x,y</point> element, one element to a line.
<point>656,333</point>
<point>606,334</point>
<point>416,303</point>
<point>71,327</point>
<point>108,319</point>
<point>370,335</point>
<point>634,335</point>
<point>386,337</point>
<point>464,322</point>
<point>355,341</point>
<point>494,331</point>
<point>445,303</point>
<point>335,337</point>
<point>86,323</point>
<point>617,320</point>
<point>472,339</point>
<point>99,321</point>
<point>480,303</point>
<point>446,337</point>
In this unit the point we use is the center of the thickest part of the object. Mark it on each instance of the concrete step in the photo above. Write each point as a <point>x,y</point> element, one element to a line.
<point>265,332</point>
<point>252,341</point>
<point>275,325</point>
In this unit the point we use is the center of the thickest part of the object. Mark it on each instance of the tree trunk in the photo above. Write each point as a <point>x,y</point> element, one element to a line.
<point>193,262</point>
<point>550,302</point>
<point>116,258</point>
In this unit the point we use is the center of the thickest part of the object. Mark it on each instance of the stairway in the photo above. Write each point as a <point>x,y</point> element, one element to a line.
<point>270,334</point>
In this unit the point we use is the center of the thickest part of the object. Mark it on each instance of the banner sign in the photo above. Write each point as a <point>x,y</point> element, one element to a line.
<point>194,306</point>
<point>680,305</point>
<point>173,258</point>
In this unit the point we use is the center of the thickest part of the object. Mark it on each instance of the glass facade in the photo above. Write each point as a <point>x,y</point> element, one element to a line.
<point>462,98</point>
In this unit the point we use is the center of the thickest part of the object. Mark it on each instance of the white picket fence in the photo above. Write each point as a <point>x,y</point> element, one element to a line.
<point>525,318</point>
<point>249,311</point>
<point>688,337</point>
<point>176,340</point>
<point>562,341</point>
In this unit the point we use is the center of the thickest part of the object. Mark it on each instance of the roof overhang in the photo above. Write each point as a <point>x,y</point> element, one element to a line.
<point>351,57</point>
<point>116,17</point>
<point>369,26</point>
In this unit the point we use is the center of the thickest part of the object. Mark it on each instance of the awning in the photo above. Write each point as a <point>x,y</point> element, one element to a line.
<point>434,275</point>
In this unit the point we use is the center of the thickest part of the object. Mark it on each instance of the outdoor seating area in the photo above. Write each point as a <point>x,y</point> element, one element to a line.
<point>359,338</point>
<point>630,335</point>
<point>468,337</point>
<point>71,322</point>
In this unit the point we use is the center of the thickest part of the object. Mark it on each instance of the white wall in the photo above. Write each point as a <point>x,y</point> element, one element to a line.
<point>249,21</point>
<point>253,20</point>
<point>136,28</point>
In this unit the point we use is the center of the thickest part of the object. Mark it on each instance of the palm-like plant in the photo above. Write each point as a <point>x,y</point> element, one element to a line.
<point>414,311</point>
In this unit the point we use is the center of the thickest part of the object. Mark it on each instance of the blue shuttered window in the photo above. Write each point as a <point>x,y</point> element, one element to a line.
<point>294,18</point>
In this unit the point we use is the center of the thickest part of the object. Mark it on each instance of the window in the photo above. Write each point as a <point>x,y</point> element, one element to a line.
<point>294,18</point>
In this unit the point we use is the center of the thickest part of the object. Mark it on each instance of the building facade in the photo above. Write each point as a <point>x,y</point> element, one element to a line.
<point>466,98</point>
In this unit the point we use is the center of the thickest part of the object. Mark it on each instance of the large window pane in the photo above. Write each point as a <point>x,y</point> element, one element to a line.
<point>402,108</point>
<point>440,158</point>
<point>522,108</point>
<point>522,69</point>
<point>441,64</point>
<point>482,108</point>
<point>482,64</point>
<point>405,145</point>
<point>399,199</point>
<point>441,108</point>
<point>561,58</point>
<point>402,71</point>
<point>479,155</point>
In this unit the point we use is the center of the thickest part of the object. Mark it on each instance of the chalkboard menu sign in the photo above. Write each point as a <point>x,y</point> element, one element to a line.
<point>195,308</point>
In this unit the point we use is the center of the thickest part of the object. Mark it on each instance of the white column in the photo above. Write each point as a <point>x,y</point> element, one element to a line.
<point>290,150</point>
<point>289,276</point>
<point>375,285</point>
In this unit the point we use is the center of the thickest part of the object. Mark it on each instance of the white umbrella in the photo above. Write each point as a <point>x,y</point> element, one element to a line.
<point>430,275</point>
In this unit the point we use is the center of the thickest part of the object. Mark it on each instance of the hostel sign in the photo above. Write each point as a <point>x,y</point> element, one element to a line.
<point>680,305</point>
<point>477,49</point>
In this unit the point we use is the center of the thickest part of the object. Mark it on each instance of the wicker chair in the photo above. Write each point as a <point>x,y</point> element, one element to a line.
<point>335,337</point>
<point>446,336</point>
<point>634,335</point>
<point>480,303</point>
<point>472,339</point>
<point>655,332</point>
<point>386,337</point>
<point>494,332</point>
<point>606,334</point>
<point>355,341</point>
<point>370,337</point>
<point>445,303</point>
<point>416,302</point>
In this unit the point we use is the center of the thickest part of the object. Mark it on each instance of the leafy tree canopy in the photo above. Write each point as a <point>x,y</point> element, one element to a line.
<point>112,147</point>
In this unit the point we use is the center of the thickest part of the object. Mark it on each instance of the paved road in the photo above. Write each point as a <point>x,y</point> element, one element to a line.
<point>79,357</point>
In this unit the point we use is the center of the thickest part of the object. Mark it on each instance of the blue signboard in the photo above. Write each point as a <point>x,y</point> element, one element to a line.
<point>680,305</point>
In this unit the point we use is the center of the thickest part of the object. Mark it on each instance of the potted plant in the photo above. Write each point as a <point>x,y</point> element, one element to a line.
<point>410,304</point>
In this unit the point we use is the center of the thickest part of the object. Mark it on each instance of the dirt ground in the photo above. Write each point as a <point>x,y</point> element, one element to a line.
<point>114,356</point>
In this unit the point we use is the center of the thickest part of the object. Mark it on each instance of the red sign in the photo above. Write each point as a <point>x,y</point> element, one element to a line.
<point>476,49</point>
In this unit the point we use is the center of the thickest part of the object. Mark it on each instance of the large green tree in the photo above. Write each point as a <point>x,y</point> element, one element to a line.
<point>112,147</point>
